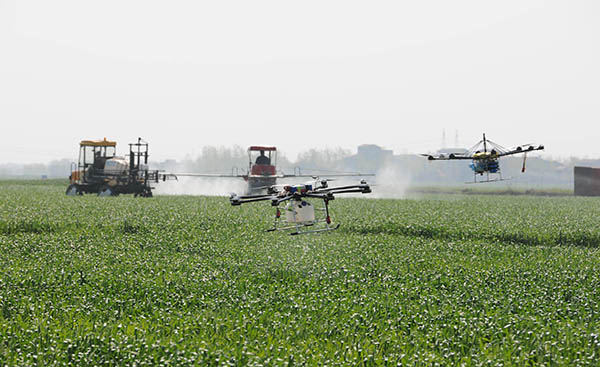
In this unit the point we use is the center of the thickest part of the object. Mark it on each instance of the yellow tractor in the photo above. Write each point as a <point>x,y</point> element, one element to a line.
<point>100,171</point>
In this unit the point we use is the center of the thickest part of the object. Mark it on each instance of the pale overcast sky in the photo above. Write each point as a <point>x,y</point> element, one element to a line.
<point>298,74</point>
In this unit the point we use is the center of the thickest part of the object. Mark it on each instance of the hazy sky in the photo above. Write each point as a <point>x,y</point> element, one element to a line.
<point>298,74</point>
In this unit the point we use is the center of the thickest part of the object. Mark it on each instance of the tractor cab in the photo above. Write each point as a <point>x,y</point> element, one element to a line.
<point>93,155</point>
<point>262,160</point>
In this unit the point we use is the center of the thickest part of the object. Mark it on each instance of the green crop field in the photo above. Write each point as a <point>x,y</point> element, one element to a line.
<point>438,280</point>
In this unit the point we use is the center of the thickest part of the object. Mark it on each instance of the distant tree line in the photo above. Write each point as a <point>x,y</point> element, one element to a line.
<point>415,169</point>
<point>54,169</point>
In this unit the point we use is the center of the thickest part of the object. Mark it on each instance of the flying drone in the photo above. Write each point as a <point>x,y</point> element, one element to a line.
<point>299,213</point>
<point>484,159</point>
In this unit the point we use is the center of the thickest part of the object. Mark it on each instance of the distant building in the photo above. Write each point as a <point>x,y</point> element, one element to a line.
<point>368,158</point>
<point>374,151</point>
<point>587,181</point>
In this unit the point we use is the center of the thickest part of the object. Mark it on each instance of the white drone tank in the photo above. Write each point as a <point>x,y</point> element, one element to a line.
<point>299,211</point>
<point>116,166</point>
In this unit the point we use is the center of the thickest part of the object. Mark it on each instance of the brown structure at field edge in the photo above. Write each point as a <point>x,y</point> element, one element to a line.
<point>587,181</point>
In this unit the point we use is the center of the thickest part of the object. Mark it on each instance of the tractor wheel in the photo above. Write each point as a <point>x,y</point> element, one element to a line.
<point>106,191</point>
<point>73,190</point>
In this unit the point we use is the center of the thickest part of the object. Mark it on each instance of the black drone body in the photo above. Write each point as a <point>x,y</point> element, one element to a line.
<point>299,213</point>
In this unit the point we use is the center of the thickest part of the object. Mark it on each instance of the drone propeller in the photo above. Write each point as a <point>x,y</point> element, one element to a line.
<point>322,181</point>
<point>269,187</point>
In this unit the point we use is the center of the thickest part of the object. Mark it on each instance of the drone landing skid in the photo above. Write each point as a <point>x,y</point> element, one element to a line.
<point>492,180</point>
<point>299,228</point>
<point>327,228</point>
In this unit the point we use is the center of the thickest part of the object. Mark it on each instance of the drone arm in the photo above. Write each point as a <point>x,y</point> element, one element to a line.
<point>239,200</point>
<point>451,156</point>
<point>278,200</point>
<point>342,187</point>
<point>362,188</point>
<point>329,193</point>
<point>454,156</point>
<point>356,190</point>
<point>520,150</point>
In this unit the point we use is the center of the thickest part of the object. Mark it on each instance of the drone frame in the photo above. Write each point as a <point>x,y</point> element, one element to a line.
<point>475,154</point>
<point>298,194</point>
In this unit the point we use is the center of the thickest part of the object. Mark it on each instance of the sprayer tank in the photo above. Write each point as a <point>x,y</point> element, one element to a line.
<point>299,211</point>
